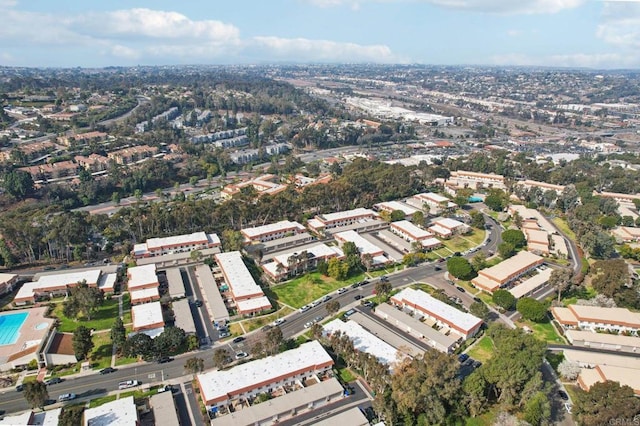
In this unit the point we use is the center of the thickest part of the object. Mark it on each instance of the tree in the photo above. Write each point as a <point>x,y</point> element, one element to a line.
<point>382,288</point>
<point>397,215</point>
<point>569,369</point>
<point>337,269</point>
<point>497,200</point>
<point>232,240</point>
<point>604,402</point>
<point>139,345</point>
<point>418,218</point>
<point>221,357</point>
<point>477,220</point>
<point>18,183</point>
<point>169,341</point>
<point>333,306</point>
<point>82,342</point>
<point>460,268</point>
<point>479,261</point>
<point>118,333</point>
<point>323,268</point>
<point>36,394</point>
<point>194,365</point>
<point>531,309</point>
<point>504,299</point>
<point>83,299</point>
<point>273,340</point>
<point>506,250</point>
<point>71,415</point>
<point>609,277</point>
<point>514,237</point>
<point>517,219</point>
<point>560,279</point>
<point>480,310</point>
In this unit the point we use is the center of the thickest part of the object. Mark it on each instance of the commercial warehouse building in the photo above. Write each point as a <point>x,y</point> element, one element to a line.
<point>175,244</point>
<point>246,294</point>
<point>285,407</point>
<point>220,387</point>
<point>491,279</point>
<point>417,328</point>
<point>272,231</point>
<point>448,318</point>
<point>595,318</point>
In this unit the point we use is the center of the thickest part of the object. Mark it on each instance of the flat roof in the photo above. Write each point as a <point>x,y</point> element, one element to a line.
<point>564,315</point>
<point>411,229</point>
<point>214,302</point>
<point>147,314</point>
<point>219,384</point>
<point>183,316</point>
<point>623,375</point>
<point>176,284</point>
<point>537,235</point>
<point>347,214</point>
<point>316,250</point>
<point>440,230</point>
<point>363,340</point>
<point>164,409</point>
<point>142,275</point>
<point>397,205</point>
<point>290,240</point>
<point>603,338</point>
<point>180,240</point>
<point>283,225</point>
<point>404,320</point>
<point>593,358</point>
<point>378,328</point>
<point>91,276</point>
<point>107,282</point>
<point>237,276</point>
<point>444,312</point>
<point>145,293</point>
<point>121,412</point>
<point>485,283</point>
<point>532,284</point>
<point>621,316</point>
<point>432,196</point>
<point>17,419</point>
<point>364,246</point>
<point>502,271</point>
<point>351,417</point>
<point>7,277</point>
<point>447,222</point>
<point>253,304</point>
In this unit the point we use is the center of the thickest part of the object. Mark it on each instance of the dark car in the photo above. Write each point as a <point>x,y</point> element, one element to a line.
<point>463,357</point>
<point>442,259</point>
<point>476,364</point>
<point>563,395</point>
<point>456,253</point>
<point>53,381</point>
<point>198,303</point>
<point>357,297</point>
<point>355,285</point>
<point>108,370</point>
<point>238,339</point>
<point>364,282</point>
<point>437,268</point>
<point>19,388</point>
<point>384,278</point>
<point>460,289</point>
<point>164,360</point>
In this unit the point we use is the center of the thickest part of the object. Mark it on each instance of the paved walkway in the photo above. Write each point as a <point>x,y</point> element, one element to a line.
<point>113,347</point>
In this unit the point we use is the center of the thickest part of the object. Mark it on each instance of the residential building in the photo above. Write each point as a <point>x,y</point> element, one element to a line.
<point>491,279</point>
<point>447,318</point>
<point>142,277</point>
<point>292,263</point>
<point>219,388</point>
<point>132,154</point>
<point>528,184</point>
<point>626,234</point>
<point>332,220</point>
<point>148,318</point>
<point>595,318</point>
<point>621,198</point>
<point>213,299</point>
<point>164,408</point>
<point>93,163</point>
<point>144,295</point>
<point>531,285</point>
<point>7,282</point>
<point>121,412</point>
<point>391,206</point>
<point>247,296</point>
<point>82,138</point>
<point>176,244</point>
<point>446,227</point>
<point>414,234</point>
<point>603,373</point>
<point>417,328</point>
<point>52,171</point>
<point>365,247</point>
<point>272,231</point>
<point>465,179</point>
<point>432,202</point>
<point>57,284</point>
<point>265,184</point>
<point>605,341</point>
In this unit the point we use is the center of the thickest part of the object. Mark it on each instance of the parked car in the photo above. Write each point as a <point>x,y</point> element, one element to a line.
<point>349,312</point>
<point>198,303</point>
<point>326,298</point>
<point>461,290</point>
<point>357,296</point>
<point>279,321</point>
<point>355,285</point>
<point>53,381</point>
<point>463,357</point>
<point>241,355</point>
<point>364,282</point>
<point>367,304</point>
<point>316,303</point>
<point>66,397</point>
<point>164,360</point>
<point>318,318</point>
<point>384,278</point>
<point>437,268</point>
<point>238,339</point>
<point>19,388</point>
<point>223,334</point>
<point>308,324</point>
<point>108,370</point>
<point>128,384</point>
<point>342,290</point>
<point>305,308</point>
<point>563,395</point>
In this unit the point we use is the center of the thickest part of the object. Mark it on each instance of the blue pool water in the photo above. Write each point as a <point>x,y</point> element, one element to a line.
<point>10,327</point>
<point>475,199</point>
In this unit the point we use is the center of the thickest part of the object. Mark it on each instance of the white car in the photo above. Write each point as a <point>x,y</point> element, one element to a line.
<point>241,355</point>
<point>66,397</point>
<point>305,308</point>
<point>278,322</point>
<point>128,384</point>
<point>316,303</point>
<point>342,290</point>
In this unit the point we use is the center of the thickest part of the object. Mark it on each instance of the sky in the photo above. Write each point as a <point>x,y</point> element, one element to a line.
<point>96,33</point>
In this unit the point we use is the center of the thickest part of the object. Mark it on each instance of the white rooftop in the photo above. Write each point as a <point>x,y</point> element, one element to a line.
<point>431,242</point>
<point>396,205</point>
<point>107,282</point>
<point>238,277</point>
<point>181,240</point>
<point>363,340</point>
<point>347,214</point>
<point>440,230</point>
<point>364,245</point>
<point>432,196</point>
<point>447,222</point>
<point>121,412</point>
<point>411,229</point>
<point>146,314</point>
<point>253,304</point>
<point>142,275</point>
<point>283,225</point>
<point>220,383</point>
<point>441,310</point>
<point>91,276</point>
<point>144,293</point>
<point>17,419</point>
<point>532,284</point>
<point>317,250</point>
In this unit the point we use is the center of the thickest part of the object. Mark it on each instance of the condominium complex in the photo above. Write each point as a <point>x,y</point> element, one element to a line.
<point>332,220</point>
<point>247,296</point>
<point>491,279</point>
<point>272,231</point>
<point>175,244</point>
<point>595,318</point>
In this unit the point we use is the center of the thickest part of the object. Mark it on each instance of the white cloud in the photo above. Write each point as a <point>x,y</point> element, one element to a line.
<point>484,6</point>
<point>620,24</point>
<point>302,49</point>
<point>576,60</point>
<point>514,33</point>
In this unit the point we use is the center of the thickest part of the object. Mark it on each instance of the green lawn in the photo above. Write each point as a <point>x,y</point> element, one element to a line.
<point>467,286</point>
<point>461,243</point>
<point>563,226</point>
<point>346,375</point>
<point>102,400</point>
<point>125,360</point>
<point>255,323</point>
<point>102,348</point>
<point>543,331</point>
<point>305,289</point>
<point>482,350</point>
<point>101,320</point>
<point>486,419</point>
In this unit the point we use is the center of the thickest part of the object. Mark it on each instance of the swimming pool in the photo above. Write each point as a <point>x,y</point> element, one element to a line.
<point>475,199</point>
<point>10,327</point>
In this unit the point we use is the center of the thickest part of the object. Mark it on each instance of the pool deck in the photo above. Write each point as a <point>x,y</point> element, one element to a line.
<point>30,334</point>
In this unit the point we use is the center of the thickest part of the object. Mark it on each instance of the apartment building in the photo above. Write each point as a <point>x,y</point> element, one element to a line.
<point>465,179</point>
<point>291,263</point>
<point>594,318</point>
<point>132,154</point>
<point>247,296</point>
<point>59,284</point>
<point>322,222</point>
<point>148,318</point>
<point>446,227</point>
<point>175,244</point>
<point>220,388</point>
<point>272,231</point>
<point>491,279</point>
<point>414,234</point>
<point>364,246</point>
<point>391,206</point>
